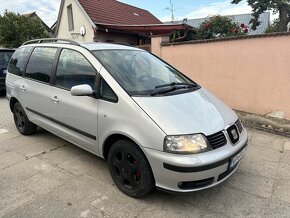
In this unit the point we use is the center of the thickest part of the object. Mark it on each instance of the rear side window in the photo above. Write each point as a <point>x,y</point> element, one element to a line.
<point>4,58</point>
<point>19,60</point>
<point>40,64</point>
<point>74,69</point>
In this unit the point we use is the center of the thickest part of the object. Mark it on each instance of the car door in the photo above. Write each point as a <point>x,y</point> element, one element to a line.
<point>76,116</point>
<point>35,87</point>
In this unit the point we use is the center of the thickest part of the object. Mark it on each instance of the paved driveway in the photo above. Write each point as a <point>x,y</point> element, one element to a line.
<point>45,176</point>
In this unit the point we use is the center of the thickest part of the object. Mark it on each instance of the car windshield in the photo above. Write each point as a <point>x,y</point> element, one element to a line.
<point>141,73</point>
<point>4,58</point>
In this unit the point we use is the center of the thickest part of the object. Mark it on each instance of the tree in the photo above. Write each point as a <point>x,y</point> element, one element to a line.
<point>273,27</point>
<point>16,29</point>
<point>278,6</point>
<point>220,26</point>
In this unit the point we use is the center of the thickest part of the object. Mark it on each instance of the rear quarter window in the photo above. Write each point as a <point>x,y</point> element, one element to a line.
<point>18,61</point>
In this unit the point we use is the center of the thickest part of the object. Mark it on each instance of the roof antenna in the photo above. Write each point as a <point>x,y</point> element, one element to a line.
<point>172,9</point>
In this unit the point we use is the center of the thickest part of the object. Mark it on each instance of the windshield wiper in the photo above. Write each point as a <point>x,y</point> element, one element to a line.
<point>172,87</point>
<point>176,84</point>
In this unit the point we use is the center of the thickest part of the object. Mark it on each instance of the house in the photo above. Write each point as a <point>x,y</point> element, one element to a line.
<point>239,18</point>
<point>108,21</point>
<point>33,15</point>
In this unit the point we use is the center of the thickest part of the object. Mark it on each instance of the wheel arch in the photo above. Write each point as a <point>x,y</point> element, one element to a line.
<point>111,139</point>
<point>12,102</point>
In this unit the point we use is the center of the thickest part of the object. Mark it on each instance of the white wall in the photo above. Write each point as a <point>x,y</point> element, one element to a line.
<point>80,19</point>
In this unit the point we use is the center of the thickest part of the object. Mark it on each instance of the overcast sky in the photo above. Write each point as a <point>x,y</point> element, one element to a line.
<point>48,9</point>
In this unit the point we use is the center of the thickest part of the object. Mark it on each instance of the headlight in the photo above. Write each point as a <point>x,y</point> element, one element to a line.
<point>186,144</point>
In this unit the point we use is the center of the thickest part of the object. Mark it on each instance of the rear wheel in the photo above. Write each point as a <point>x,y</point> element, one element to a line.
<point>21,121</point>
<point>130,169</point>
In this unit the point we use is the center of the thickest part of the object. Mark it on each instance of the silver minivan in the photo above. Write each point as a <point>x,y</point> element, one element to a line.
<point>154,126</point>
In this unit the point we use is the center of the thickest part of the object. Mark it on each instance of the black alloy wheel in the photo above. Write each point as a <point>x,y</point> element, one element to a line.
<point>21,121</point>
<point>130,169</point>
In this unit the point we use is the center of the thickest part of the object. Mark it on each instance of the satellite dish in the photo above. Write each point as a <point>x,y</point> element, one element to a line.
<point>82,31</point>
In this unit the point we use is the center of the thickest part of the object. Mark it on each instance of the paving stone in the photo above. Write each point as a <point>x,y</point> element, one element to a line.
<point>10,158</point>
<point>262,168</point>
<point>23,170</point>
<point>2,151</point>
<point>47,137</point>
<point>268,140</point>
<point>101,173</point>
<point>200,199</point>
<point>17,143</point>
<point>72,199</point>
<point>117,204</point>
<point>81,164</point>
<point>282,189</point>
<point>47,207</point>
<point>236,203</point>
<point>13,196</point>
<point>170,207</point>
<point>263,153</point>
<point>4,136</point>
<point>276,209</point>
<point>62,154</point>
<point>251,183</point>
<point>45,182</point>
<point>81,190</point>
<point>287,145</point>
<point>210,214</point>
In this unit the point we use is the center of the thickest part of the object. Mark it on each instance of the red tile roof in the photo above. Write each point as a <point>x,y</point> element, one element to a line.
<point>114,12</point>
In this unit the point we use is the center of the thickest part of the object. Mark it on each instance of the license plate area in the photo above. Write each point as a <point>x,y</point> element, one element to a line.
<point>236,159</point>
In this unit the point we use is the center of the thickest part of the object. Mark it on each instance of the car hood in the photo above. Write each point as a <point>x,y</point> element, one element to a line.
<point>192,112</point>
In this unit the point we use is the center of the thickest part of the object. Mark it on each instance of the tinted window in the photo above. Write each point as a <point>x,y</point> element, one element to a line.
<point>4,58</point>
<point>74,69</point>
<point>106,92</point>
<point>18,61</point>
<point>40,64</point>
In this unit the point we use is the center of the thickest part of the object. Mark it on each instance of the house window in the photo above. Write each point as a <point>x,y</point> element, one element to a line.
<point>70,18</point>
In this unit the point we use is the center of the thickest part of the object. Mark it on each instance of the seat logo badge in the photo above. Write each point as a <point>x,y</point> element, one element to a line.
<point>234,134</point>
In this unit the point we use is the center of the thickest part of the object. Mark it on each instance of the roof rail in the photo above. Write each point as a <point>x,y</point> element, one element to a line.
<point>46,40</point>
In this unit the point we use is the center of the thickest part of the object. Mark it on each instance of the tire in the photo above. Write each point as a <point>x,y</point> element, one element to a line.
<point>24,126</point>
<point>130,169</point>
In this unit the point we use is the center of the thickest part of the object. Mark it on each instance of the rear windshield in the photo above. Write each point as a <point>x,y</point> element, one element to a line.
<point>4,58</point>
<point>139,72</point>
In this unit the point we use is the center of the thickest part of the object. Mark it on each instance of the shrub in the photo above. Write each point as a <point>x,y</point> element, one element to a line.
<point>220,26</point>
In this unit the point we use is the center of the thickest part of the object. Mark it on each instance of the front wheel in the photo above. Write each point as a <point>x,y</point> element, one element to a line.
<point>24,126</point>
<point>130,169</point>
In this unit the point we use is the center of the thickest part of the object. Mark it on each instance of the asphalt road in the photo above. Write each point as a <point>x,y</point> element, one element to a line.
<point>45,176</point>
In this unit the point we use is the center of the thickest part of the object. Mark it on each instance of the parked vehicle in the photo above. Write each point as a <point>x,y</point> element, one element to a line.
<point>5,55</point>
<point>154,126</point>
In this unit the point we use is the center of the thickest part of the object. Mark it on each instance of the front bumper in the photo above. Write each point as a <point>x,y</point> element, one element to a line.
<point>187,173</point>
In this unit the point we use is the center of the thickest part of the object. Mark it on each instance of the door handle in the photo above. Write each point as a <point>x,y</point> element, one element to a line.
<point>22,88</point>
<point>54,99</point>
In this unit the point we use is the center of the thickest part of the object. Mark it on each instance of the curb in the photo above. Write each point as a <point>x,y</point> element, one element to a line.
<point>265,123</point>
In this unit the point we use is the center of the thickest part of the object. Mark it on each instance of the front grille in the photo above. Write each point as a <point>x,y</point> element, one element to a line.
<point>217,140</point>
<point>239,125</point>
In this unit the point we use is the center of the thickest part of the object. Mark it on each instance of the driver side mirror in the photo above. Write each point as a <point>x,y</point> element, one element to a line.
<point>81,90</point>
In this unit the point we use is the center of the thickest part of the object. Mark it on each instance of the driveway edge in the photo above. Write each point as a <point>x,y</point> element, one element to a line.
<point>265,123</point>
